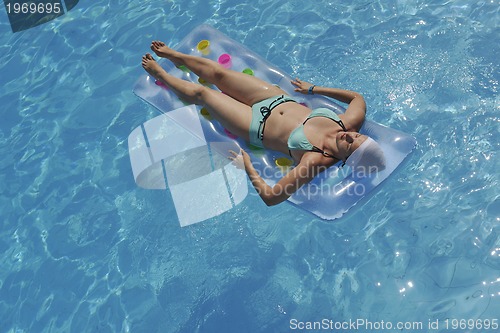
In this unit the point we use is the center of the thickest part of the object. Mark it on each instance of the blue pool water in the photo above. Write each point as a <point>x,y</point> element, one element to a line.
<point>83,249</point>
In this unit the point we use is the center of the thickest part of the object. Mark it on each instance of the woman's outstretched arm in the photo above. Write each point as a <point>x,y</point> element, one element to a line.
<point>302,174</point>
<point>355,112</point>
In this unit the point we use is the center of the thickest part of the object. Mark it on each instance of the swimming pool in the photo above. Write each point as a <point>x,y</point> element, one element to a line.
<point>84,250</point>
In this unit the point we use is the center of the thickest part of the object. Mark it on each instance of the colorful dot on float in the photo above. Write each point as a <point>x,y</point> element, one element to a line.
<point>204,112</point>
<point>184,69</point>
<point>248,71</point>
<point>256,150</point>
<point>225,60</point>
<point>203,47</point>
<point>160,84</point>
<point>229,134</point>
<point>254,147</point>
<point>283,163</point>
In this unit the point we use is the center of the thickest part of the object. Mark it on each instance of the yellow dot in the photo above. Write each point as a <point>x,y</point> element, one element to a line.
<point>204,47</point>
<point>283,162</point>
<point>204,112</point>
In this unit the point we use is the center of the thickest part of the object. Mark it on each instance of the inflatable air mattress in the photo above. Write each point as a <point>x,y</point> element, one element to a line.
<point>185,150</point>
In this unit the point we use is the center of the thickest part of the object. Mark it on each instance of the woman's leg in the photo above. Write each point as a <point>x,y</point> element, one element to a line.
<point>242,87</point>
<point>233,115</point>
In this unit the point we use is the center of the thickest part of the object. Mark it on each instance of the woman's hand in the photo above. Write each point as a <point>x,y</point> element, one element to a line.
<point>239,159</point>
<point>302,86</point>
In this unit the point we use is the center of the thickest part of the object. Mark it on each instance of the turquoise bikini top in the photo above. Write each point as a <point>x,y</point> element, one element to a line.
<point>298,139</point>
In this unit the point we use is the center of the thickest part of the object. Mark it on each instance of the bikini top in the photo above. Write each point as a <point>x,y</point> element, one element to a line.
<point>298,140</point>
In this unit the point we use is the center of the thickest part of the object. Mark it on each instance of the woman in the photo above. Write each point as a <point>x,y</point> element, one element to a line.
<point>264,115</point>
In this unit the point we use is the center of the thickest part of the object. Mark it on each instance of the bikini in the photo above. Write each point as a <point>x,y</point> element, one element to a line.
<point>297,139</point>
<point>260,112</point>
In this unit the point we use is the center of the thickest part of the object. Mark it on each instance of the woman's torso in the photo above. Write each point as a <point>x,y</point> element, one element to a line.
<point>286,117</point>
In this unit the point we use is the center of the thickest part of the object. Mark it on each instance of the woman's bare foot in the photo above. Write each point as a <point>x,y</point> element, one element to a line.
<point>151,66</point>
<point>161,49</point>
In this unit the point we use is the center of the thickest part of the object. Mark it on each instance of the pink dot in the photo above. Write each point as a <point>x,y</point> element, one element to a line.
<point>229,134</point>
<point>161,84</point>
<point>225,60</point>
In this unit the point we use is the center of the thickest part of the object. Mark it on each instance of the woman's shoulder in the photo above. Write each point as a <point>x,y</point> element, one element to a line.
<point>314,160</point>
<point>351,124</point>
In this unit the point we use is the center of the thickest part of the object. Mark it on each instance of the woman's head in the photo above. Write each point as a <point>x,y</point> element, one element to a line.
<point>359,151</point>
<point>365,156</point>
<point>348,142</point>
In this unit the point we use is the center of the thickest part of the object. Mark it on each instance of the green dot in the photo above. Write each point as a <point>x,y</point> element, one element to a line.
<point>254,147</point>
<point>248,71</point>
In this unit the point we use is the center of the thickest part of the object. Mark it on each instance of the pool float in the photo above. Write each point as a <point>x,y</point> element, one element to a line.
<point>181,130</point>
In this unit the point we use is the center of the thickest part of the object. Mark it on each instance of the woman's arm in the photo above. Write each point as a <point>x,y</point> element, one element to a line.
<point>355,112</point>
<point>283,189</point>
